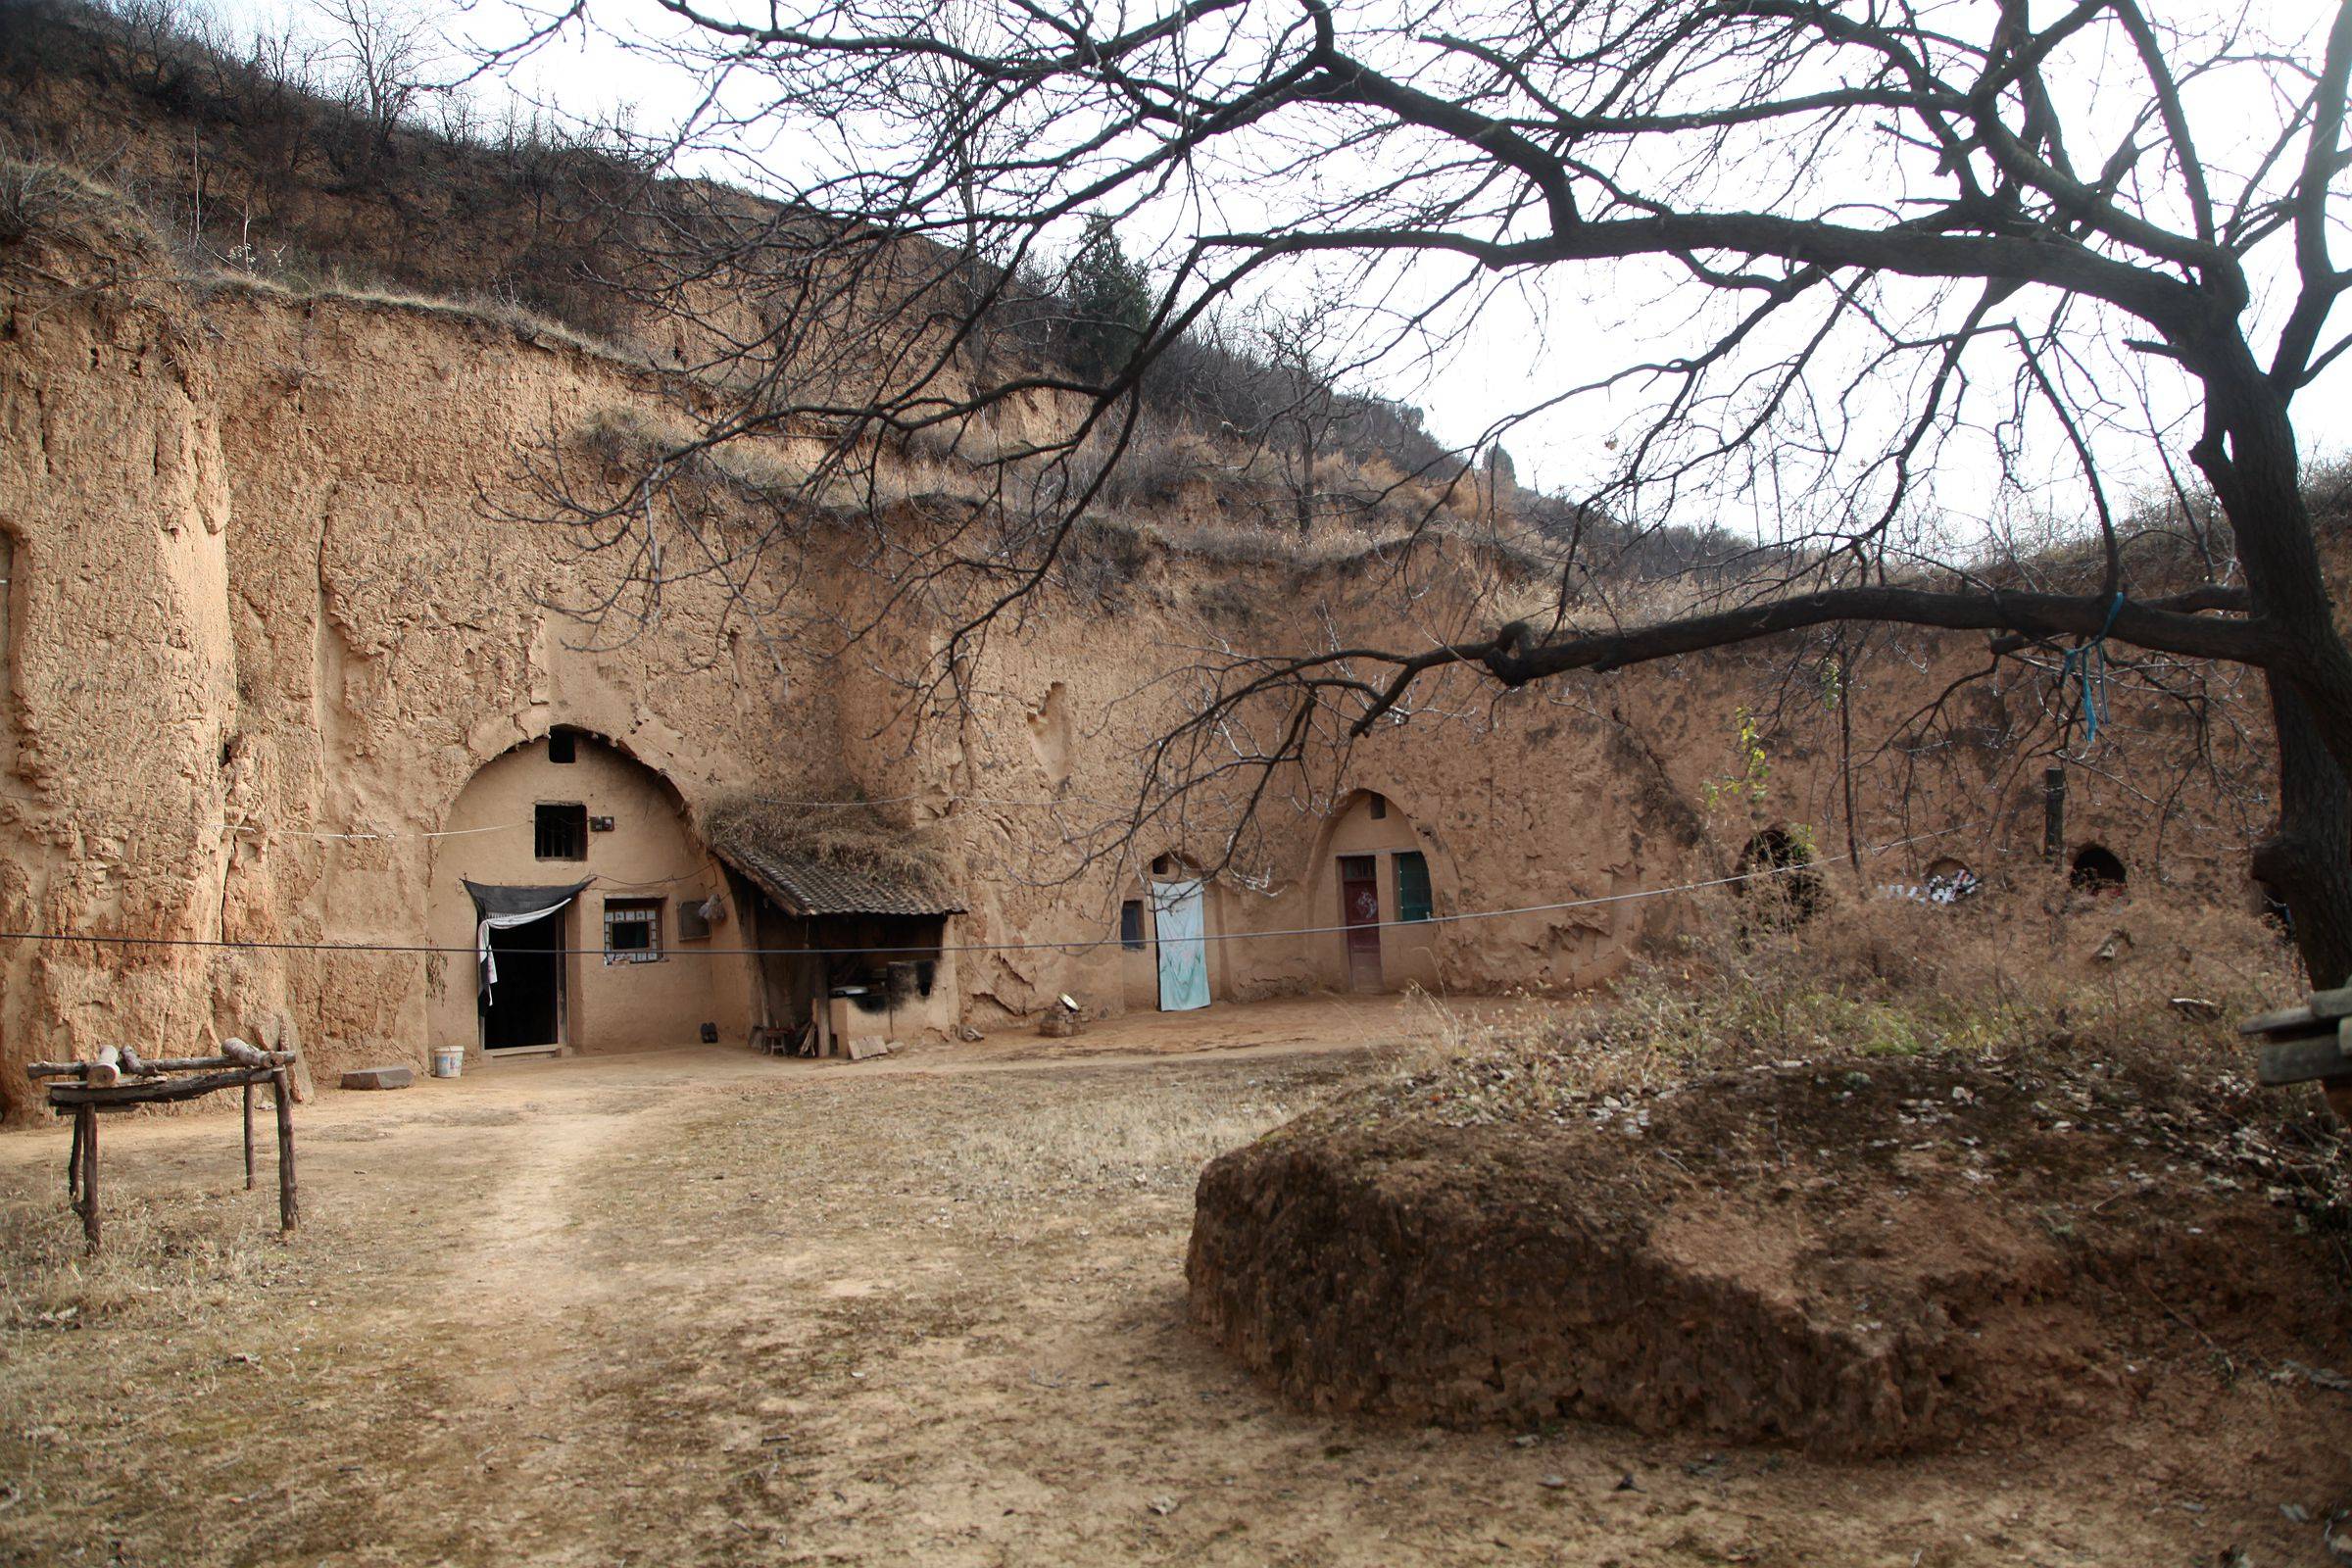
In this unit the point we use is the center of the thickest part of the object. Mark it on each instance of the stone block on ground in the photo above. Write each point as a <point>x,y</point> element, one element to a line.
<point>380,1078</point>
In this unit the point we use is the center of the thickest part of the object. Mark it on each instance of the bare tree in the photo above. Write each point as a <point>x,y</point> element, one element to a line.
<point>1306,410</point>
<point>378,53</point>
<point>2085,240</point>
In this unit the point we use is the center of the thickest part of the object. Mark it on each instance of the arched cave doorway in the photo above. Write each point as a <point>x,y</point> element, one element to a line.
<point>1377,889</point>
<point>1170,957</point>
<point>2098,870</point>
<point>577,864</point>
<point>1777,877</point>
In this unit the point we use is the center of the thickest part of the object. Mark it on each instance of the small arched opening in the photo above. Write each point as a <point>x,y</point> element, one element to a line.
<point>1777,876</point>
<point>2098,870</point>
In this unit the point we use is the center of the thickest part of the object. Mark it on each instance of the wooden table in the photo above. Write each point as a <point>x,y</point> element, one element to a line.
<point>120,1079</point>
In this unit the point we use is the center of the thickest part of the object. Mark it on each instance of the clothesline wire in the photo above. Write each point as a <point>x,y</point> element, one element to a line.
<point>1085,945</point>
<point>370,835</point>
<point>764,800</point>
<point>323,833</point>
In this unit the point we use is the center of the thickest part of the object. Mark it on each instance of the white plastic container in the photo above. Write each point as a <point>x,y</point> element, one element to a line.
<point>448,1060</point>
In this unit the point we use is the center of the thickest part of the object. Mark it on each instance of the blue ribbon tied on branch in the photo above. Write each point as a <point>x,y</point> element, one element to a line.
<point>2086,665</point>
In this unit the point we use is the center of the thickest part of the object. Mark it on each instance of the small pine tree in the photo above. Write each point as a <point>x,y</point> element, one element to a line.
<point>1501,472</point>
<point>1110,301</point>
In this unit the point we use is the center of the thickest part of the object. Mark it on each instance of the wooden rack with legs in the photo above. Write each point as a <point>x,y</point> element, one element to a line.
<point>121,1079</point>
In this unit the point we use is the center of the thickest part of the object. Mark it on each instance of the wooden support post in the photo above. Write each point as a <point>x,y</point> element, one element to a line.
<point>249,1135</point>
<point>74,1163</point>
<point>2053,812</point>
<point>288,1210</point>
<point>87,1116</point>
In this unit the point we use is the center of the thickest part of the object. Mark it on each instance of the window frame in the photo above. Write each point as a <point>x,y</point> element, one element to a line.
<point>633,915</point>
<point>1427,901</point>
<point>1131,927</point>
<point>574,826</point>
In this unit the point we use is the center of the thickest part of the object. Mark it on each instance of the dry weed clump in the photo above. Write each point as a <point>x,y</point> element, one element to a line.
<point>2001,978</point>
<point>43,200</point>
<point>169,1256</point>
<point>34,193</point>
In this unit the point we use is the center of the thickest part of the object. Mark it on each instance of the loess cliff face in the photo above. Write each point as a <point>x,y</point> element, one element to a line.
<point>120,670</point>
<point>271,609</point>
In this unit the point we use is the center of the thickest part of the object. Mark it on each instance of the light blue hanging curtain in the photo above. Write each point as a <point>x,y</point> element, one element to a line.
<point>1183,945</point>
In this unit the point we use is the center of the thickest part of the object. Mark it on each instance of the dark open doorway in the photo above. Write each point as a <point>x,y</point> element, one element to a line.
<point>1360,913</point>
<point>527,1005</point>
<point>1777,876</point>
<point>2098,870</point>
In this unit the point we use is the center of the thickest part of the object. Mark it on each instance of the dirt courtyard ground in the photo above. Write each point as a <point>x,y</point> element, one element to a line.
<point>704,1307</point>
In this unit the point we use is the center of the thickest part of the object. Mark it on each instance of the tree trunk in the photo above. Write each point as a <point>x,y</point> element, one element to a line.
<point>2258,477</point>
<point>2307,861</point>
<point>1304,500</point>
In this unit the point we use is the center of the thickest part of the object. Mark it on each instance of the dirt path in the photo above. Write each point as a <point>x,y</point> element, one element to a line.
<point>722,1310</point>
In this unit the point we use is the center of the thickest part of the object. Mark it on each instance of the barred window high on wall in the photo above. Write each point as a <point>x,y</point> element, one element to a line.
<point>560,831</point>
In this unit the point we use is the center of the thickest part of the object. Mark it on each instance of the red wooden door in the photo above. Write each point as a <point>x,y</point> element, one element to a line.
<point>1359,912</point>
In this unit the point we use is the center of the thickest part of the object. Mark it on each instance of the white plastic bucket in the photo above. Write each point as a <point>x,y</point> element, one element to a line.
<point>448,1060</point>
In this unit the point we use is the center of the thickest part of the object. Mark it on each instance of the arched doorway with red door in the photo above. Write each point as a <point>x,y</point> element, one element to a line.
<point>1377,897</point>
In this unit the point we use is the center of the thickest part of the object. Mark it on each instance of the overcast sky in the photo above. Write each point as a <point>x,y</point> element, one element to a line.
<point>1532,341</point>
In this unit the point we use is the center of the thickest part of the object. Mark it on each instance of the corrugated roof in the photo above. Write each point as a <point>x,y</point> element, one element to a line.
<point>803,885</point>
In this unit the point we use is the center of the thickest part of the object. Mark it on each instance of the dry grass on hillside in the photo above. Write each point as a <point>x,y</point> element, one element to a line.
<point>626,436</point>
<point>32,193</point>
<point>40,198</point>
<point>487,310</point>
<point>1998,977</point>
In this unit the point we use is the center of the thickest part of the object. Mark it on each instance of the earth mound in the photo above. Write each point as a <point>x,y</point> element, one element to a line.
<point>1861,1256</point>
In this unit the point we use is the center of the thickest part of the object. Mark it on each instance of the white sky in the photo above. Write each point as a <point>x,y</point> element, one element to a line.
<point>1528,345</point>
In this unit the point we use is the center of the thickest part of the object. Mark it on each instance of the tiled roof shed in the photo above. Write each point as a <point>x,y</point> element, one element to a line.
<point>803,885</point>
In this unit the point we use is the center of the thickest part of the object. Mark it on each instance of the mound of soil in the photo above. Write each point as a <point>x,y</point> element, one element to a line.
<point>1861,1256</point>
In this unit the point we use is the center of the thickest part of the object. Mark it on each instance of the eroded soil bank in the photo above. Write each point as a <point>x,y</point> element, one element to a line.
<point>1863,1256</point>
<point>707,1308</point>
